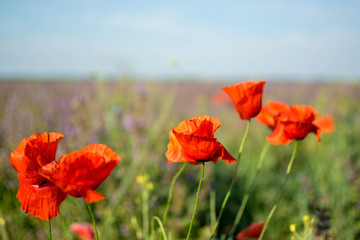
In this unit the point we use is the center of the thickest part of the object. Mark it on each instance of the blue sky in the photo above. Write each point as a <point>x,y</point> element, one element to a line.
<point>209,39</point>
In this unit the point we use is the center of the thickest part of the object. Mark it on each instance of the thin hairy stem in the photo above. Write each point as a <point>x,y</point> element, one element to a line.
<point>49,229</point>
<point>197,200</point>
<point>93,220</point>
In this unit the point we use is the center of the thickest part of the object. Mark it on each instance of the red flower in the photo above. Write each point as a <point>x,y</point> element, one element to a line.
<point>38,197</point>
<point>294,124</point>
<point>81,172</point>
<point>271,112</point>
<point>219,98</point>
<point>253,231</point>
<point>325,123</point>
<point>83,230</point>
<point>246,97</point>
<point>193,141</point>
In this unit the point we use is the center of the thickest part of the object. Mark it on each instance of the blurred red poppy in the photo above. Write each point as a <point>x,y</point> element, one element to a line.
<point>253,231</point>
<point>271,112</point>
<point>83,230</point>
<point>81,172</point>
<point>246,97</point>
<point>295,123</point>
<point>219,98</point>
<point>38,197</point>
<point>193,141</point>
<point>325,123</point>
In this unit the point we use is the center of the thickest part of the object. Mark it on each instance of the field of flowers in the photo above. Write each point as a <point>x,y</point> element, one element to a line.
<point>320,200</point>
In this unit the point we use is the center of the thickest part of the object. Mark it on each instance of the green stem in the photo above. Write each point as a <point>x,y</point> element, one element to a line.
<point>249,190</point>
<point>212,208</point>
<point>171,191</point>
<point>157,219</point>
<point>49,229</point>
<point>197,200</point>
<point>145,208</point>
<point>281,191</point>
<point>93,220</point>
<point>232,181</point>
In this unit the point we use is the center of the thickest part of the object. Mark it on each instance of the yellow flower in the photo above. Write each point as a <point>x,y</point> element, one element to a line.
<point>306,218</point>
<point>142,178</point>
<point>2,221</point>
<point>292,228</point>
<point>150,186</point>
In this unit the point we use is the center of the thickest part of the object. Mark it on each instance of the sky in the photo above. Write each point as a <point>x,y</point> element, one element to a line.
<point>203,39</point>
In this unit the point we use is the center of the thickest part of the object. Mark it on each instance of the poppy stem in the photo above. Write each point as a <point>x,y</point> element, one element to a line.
<point>157,219</point>
<point>49,228</point>
<point>93,220</point>
<point>171,191</point>
<point>145,212</point>
<point>288,170</point>
<point>249,190</point>
<point>197,200</point>
<point>213,233</point>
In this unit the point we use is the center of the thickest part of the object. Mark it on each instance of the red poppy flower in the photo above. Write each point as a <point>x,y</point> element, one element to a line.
<point>193,141</point>
<point>271,112</point>
<point>83,230</point>
<point>294,124</point>
<point>246,97</point>
<point>253,231</point>
<point>41,201</point>
<point>219,98</point>
<point>38,197</point>
<point>325,123</point>
<point>80,172</point>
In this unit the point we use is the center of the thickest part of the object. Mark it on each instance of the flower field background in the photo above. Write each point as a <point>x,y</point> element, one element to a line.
<point>134,119</point>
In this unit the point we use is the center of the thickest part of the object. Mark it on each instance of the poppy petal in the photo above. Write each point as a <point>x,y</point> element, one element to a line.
<point>80,172</point>
<point>91,196</point>
<point>83,230</point>
<point>279,136</point>
<point>33,153</point>
<point>175,152</point>
<point>226,156</point>
<point>246,97</point>
<point>253,231</point>
<point>193,141</point>
<point>199,126</point>
<point>198,148</point>
<point>270,112</point>
<point>325,123</point>
<point>41,201</point>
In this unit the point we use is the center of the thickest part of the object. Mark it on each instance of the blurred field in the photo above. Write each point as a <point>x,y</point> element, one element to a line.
<point>134,119</point>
